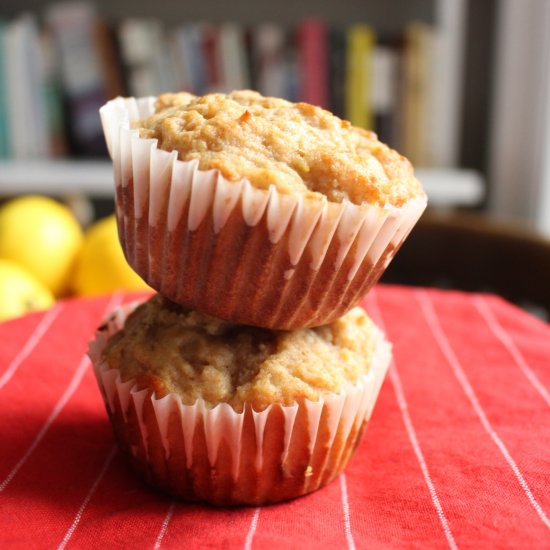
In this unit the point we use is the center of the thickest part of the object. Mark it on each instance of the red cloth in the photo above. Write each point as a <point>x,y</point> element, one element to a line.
<point>457,453</point>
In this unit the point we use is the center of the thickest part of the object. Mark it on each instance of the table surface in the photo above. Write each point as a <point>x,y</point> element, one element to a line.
<point>457,453</point>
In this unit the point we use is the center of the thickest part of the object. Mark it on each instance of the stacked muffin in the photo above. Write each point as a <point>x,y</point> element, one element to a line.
<point>261,223</point>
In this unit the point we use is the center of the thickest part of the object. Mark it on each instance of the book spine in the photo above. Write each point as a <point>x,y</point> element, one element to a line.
<point>447,77</point>
<point>72,28</point>
<point>232,52</point>
<point>5,149</point>
<point>383,91</point>
<point>25,90</point>
<point>189,56</point>
<point>53,98</point>
<point>211,56</point>
<point>267,53</point>
<point>313,62</point>
<point>182,77</point>
<point>290,69</point>
<point>337,71</point>
<point>146,57</point>
<point>198,61</point>
<point>360,45</point>
<point>416,111</point>
<point>109,60</point>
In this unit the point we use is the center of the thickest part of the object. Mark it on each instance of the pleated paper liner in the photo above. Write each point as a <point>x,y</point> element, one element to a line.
<point>224,457</point>
<point>246,255</point>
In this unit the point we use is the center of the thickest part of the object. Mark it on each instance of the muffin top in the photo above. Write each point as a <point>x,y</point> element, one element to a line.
<point>170,349</point>
<point>296,147</point>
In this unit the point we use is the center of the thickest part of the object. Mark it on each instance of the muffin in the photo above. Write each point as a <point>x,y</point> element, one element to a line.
<point>256,210</point>
<point>228,414</point>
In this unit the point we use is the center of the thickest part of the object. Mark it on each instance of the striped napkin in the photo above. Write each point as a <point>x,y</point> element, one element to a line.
<point>457,454</point>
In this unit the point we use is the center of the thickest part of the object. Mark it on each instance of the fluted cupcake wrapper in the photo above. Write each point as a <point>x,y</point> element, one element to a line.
<point>225,457</point>
<point>247,255</point>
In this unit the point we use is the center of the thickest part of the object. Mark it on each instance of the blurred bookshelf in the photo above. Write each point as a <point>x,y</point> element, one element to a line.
<point>400,67</point>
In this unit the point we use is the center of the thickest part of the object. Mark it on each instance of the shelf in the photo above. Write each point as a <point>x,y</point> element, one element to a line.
<point>446,188</point>
<point>59,177</point>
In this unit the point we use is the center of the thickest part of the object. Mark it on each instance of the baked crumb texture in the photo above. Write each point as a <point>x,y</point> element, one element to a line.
<point>218,454</point>
<point>296,147</point>
<point>241,253</point>
<point>169,349</point>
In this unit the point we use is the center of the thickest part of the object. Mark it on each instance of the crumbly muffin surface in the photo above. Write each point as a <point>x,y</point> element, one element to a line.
<point>294,146</point>
<point>169,349</point>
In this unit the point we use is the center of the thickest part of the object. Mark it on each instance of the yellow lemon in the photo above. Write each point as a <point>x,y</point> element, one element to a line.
<point>20,292</point>
<point>101,266</point>
<point>43,236</point>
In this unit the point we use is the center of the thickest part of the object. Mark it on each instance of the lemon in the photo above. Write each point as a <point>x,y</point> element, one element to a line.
<point>101,266</point>
<point>20,291</point>
<point>43,236</point>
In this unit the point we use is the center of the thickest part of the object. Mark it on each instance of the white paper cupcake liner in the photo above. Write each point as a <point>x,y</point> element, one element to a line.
<point>243,254</point>
<point>226,457</point>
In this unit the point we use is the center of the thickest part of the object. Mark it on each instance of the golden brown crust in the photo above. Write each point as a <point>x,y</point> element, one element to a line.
<point>296,147</point>
<point>168,349</point>
<point>164,101</point>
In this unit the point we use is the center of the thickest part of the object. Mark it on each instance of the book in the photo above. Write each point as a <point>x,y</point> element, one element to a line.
<point>267,54</point>
<point>449,37</point>
<point>5,148</point>
<point>72,27</point>
<point>211,57</point>
<point>360,44</point>
<point>53,97</point>
<point>290,69</point>
<point>189,61</point>
<point>397,44</point>
<point>232,58</point>
<point>145,58</point>
<point>14,100</point>
<point>312,41</point>
<point>25,99</point>
<point>383,91</point>
<point>109,59</point>
<point>417,85</point>
<point>182,70</point>
<point>337,71</point>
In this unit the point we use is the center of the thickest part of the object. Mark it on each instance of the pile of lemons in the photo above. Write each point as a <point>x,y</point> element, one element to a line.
<point>45,255</point>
